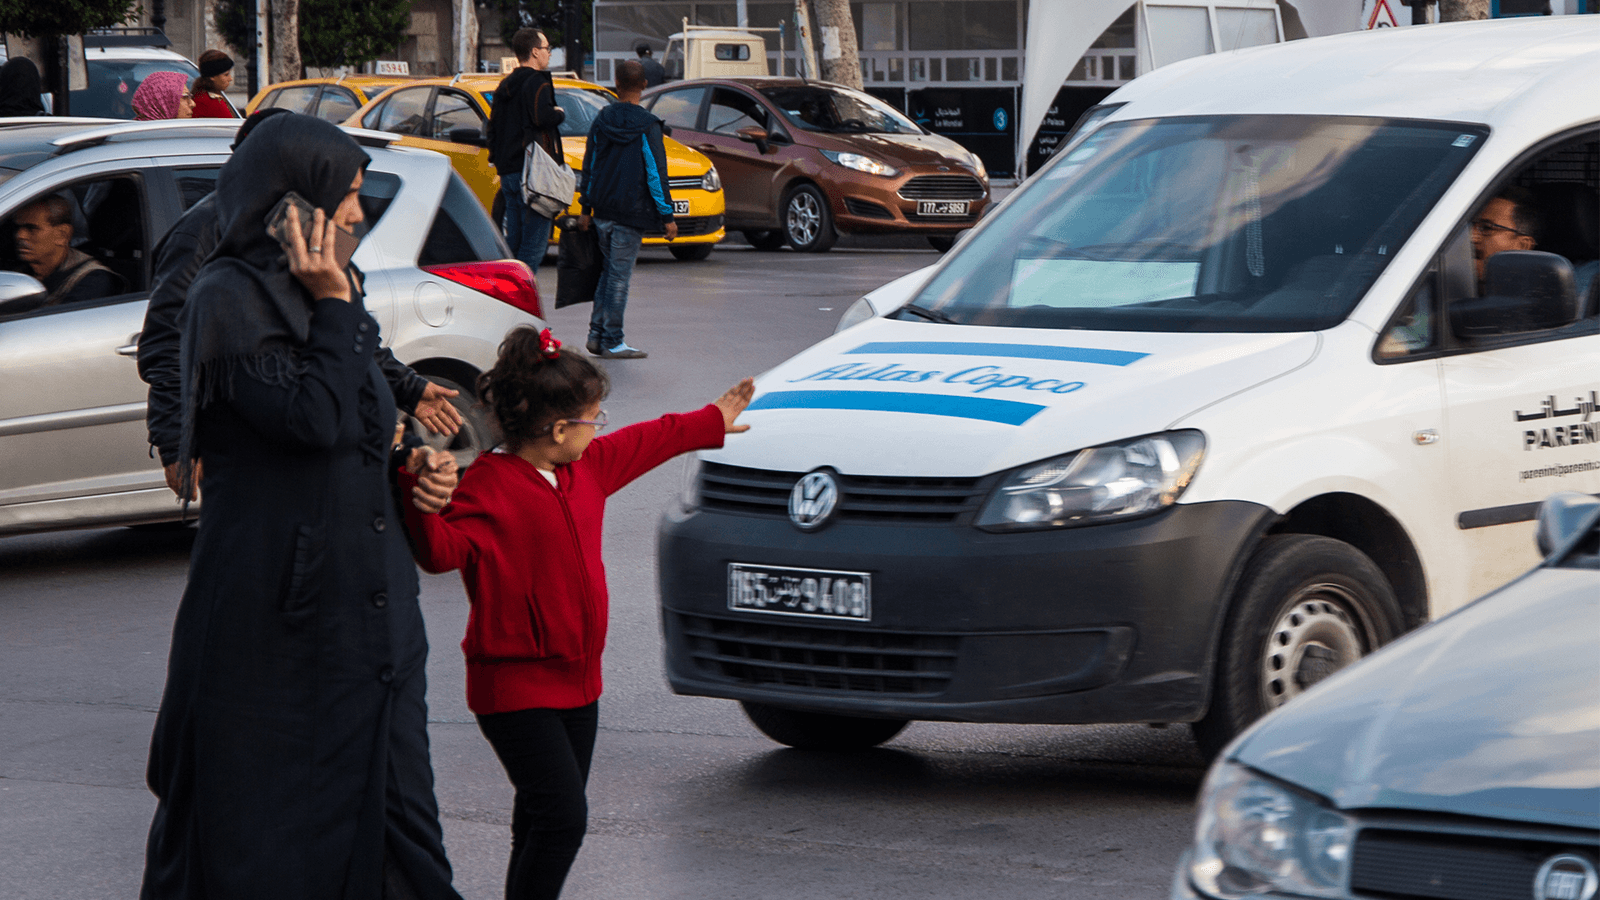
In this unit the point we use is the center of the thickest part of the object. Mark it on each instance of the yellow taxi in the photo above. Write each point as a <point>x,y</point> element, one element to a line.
<point>449,115</point>
<point>330,99</point>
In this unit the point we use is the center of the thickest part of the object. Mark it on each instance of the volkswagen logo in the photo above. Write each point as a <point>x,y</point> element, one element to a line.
<point>1567,876</point>
<point>812,501</point>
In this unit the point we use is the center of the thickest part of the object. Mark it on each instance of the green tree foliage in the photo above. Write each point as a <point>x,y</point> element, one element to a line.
<point>31,18</point>
<point>332,32</point>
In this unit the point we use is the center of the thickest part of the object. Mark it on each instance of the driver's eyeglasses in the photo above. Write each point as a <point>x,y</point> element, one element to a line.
<point>598,424</point>
<point>1486,228</point>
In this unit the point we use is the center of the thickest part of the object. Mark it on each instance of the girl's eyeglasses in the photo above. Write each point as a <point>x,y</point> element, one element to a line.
<point>597,423</point>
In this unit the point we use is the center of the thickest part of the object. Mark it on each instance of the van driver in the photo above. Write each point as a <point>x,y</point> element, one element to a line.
<point>1508,222</point>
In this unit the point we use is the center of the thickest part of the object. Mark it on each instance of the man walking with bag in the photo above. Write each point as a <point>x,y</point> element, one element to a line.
<point>524,112</point>
<point>624,189</point>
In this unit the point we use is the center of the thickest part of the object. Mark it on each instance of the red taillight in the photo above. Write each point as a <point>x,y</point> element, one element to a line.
<point>506,280</point>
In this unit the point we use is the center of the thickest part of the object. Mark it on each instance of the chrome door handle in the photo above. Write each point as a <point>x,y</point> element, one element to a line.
<point>132,347</point>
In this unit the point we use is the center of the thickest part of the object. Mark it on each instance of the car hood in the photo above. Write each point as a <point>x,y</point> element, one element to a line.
<point>901,150</point>
<point>891,397</point>
<point>681,161</point>
<point>1493,711</point>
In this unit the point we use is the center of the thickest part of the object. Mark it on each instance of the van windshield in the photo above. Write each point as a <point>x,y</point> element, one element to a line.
<point>1219,224</point>
<point>816,108</point>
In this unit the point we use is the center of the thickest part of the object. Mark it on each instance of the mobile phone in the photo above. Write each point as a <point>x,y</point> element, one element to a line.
<point>344,243</point>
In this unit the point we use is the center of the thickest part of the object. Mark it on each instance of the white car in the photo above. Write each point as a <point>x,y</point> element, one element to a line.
<point>73,440</point>
<point>1215,404</point>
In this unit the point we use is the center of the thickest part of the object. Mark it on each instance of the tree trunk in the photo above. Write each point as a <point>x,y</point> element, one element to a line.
<point>836,33</point>
<point>464,35</point>
<point>1463,10</point>
<point>285,39</point>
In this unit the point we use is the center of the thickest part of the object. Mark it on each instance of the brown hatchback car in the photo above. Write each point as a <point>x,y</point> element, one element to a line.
<point>802,161</point>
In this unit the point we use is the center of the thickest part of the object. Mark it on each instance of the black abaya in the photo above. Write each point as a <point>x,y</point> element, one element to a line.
<point>290,755</point>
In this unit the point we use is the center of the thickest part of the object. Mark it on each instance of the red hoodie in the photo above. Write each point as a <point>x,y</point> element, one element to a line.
<point>529,554</point>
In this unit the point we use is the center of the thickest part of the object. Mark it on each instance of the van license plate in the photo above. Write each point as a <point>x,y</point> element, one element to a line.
<point>680,207</point>
<point>786,591</point>
<point>942,207</point>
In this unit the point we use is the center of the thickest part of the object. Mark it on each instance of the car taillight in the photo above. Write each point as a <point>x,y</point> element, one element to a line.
<point>506,280</point>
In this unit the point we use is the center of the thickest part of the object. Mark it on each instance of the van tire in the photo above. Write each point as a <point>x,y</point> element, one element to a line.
<point>807,223</point>
<point>765,238</point>
<point>1305,607</point>
<point>804,730</point>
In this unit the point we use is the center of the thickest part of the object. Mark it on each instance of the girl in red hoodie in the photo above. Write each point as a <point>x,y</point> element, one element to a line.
<point>524,528</point>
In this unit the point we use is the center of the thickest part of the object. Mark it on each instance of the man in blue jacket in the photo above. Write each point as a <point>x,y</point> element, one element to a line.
<point>624,190</point>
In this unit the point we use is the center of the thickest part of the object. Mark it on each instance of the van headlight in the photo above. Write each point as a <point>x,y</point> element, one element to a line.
<point>1086,487</point>
<point>859,312</point>
<point>861,163</point>
<point>1255,835</point>
<point>711,182</point>
<point>689,481</point>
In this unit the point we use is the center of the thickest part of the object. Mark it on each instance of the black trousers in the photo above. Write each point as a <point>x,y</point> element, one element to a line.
<point>546,754</point>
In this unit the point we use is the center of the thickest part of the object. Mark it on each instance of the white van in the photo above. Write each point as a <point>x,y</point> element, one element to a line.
<point>1268,367</point>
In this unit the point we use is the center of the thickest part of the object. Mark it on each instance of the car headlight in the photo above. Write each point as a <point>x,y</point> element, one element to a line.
<point>711,182</point>
<point>861,163</point>
<point>859,312</point>
<point>1255,834</point>
<point>689,481</point>
<point>977,166</point>
<point>1090,486</point>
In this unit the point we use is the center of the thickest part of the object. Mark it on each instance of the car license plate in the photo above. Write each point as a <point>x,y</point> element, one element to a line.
<point>942,207</point>
<point>800,592</point>
<point>680,207</point>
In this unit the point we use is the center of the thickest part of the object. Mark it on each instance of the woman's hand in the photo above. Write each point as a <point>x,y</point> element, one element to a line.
<point>313,263</point>
<point>435,411</point>
<point>733,402</point>
<point>437,477</point>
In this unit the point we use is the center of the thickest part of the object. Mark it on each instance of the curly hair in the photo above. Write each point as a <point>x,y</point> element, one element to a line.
<point>527,392</point>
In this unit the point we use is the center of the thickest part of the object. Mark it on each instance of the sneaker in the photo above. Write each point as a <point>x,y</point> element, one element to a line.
<point>623,351</point>
<point>593,346</point>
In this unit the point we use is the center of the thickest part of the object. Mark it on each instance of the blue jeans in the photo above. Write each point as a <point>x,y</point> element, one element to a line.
<point>619,244</point>
<point>527,233</point>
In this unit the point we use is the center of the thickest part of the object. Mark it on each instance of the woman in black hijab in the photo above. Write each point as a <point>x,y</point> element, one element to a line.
<point>20,89</point>
<point>290,755</point>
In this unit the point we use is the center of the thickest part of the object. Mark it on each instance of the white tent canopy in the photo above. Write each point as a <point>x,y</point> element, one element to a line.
<point>1059,33</point>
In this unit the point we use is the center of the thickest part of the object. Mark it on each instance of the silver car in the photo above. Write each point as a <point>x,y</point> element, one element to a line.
<point>1461,762</point>
<point>74,450</point>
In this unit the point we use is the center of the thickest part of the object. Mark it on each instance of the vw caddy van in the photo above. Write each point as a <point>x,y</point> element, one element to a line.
<point>1271,365</point>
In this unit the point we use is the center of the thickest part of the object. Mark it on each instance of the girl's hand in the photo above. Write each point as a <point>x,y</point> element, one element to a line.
<point>437,479</point>
<point>733,402</point>
<point>312,262</point>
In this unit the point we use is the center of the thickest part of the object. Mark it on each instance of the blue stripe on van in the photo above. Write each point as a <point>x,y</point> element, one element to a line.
<point>1006,412</point>
<point>1020,351</point>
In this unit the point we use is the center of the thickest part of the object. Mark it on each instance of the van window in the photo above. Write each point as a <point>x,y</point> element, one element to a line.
<point>1223,224</point>
<point>732,52</point>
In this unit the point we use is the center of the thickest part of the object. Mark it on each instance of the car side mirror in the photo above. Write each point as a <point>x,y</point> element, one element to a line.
<point>753,135</point>
<point>19,293</point>
<point>1524,290</point>
<point>1563,519</point>
<point>468,135</point>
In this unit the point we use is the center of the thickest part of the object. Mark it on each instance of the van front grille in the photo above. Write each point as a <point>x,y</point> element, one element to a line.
<point>822,659</point>
<point>862,498</point>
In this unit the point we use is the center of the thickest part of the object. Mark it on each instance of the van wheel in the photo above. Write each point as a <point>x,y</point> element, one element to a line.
<point>765,239</point>
<point>1306,607</point>
<point>475,436</point>
<point>820,731</point>
<point>691,252</point>
<point>807,224</point>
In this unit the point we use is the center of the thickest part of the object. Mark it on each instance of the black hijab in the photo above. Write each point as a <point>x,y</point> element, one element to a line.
<point>20,89</point>
<point>247,311</point>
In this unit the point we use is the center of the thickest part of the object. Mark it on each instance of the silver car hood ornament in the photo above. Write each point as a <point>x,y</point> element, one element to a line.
<point>812,501</point>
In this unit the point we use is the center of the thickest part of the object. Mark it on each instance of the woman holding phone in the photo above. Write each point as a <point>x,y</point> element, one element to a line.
<point>290,754</point>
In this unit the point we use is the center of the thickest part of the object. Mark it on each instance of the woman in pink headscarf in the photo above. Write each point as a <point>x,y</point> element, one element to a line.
<point>163,95</point>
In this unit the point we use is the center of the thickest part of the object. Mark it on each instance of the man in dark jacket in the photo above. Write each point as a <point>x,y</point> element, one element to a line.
<point>624,189</point>
<point>179,255</point>
<point>653,73</point>
<point>524,112</point>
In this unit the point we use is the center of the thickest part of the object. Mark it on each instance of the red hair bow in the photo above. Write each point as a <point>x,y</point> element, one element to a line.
<point>549,347</point>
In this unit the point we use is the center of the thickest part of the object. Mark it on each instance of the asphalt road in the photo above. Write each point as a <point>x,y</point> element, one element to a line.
<point>687,799</point>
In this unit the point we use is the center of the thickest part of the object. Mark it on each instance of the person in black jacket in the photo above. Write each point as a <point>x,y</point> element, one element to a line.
<point>624,193</point>
<point>179,255</point>
<point>524,112</point>
<point>654,74</point>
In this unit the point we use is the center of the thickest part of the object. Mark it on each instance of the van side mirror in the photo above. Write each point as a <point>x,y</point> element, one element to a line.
<point>1524,290</point>
<point>1563,518</point>
<point>19,293</point>
<point>753,135</point>
<point>468,135</point>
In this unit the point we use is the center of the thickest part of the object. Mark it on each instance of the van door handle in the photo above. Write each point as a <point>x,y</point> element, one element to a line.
<point>132,347</point>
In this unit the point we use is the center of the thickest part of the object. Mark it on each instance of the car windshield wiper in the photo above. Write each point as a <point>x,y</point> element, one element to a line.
<point>932,315</point>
